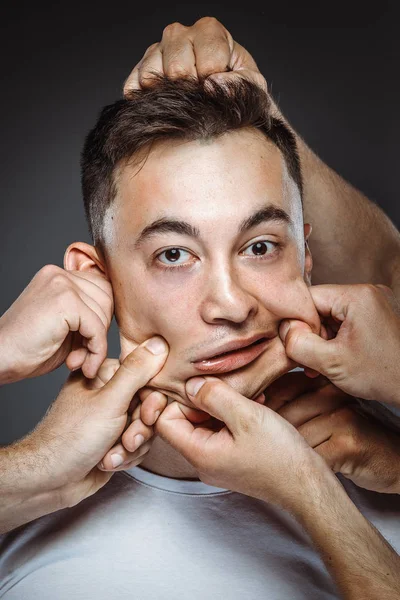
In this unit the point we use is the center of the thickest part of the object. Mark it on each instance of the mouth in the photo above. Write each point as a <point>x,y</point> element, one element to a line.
<point>230,360</point>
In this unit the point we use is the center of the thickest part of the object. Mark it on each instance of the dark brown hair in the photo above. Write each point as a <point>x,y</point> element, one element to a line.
<point>185,109</point>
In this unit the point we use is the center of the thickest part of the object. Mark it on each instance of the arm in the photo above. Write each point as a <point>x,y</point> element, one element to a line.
<point>67,457</point>
<point>258,453</point>
<point>337,211</point>
<point>361,562</point>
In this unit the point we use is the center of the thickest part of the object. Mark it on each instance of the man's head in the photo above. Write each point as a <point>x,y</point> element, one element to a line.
<point>193,196</point>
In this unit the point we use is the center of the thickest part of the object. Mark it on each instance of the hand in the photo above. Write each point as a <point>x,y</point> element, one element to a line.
<point>206,48</point>
<point>84,423</point>
<point>244,446</point>
<point>138,434</point>
<point>363,353</point>
<point>61,316</point>
<point>361,449</point>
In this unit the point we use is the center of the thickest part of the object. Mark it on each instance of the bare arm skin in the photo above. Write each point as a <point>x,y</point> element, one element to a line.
<point>341,216</point>
<point>361,562</point>
<point>343,220</point>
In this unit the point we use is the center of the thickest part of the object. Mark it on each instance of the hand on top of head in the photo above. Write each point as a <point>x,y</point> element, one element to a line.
<point>204,49</point>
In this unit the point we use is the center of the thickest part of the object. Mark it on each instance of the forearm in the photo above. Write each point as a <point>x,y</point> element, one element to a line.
<point>352,240</point>
<point>7,370</point>
<point>360,560</point>
<point>23,494</point>
<point>346,225</point>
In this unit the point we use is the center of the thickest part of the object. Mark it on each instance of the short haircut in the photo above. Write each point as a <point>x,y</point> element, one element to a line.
<point>184,109</point>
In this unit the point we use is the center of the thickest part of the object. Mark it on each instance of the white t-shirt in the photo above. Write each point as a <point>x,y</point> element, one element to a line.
<point>147,537</point>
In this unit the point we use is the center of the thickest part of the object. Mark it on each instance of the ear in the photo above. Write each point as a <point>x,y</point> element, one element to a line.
<point>80,256</point>
<point>308,262</point>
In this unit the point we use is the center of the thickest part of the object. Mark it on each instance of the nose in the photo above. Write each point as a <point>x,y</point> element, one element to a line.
<point>226,299</point>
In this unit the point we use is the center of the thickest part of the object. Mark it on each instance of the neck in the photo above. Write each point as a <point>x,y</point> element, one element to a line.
<point>162,459</point>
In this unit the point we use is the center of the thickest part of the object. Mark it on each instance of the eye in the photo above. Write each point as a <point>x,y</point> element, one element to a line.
<point>174,256</point>
<point>260,248</point>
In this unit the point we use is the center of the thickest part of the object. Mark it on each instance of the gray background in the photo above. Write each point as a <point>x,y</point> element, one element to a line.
<point>335,74</point>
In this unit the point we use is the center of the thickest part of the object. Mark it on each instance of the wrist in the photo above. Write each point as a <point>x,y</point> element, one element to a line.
<point>315,485</point>
<point>24,470</point>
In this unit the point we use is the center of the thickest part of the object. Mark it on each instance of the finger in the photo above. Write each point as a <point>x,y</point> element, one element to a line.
<point>150,67</point>
<point>137,408</point>
<point>311,405</point>
<point>175,428</point>
<point>232,76</point>
<point>152,406</point>
<point>119,457</point>
<point>307,348</point>
<point>330,453</point>
<point>177,52</point>
<point>105,373</point>
<point>90,327</point>
<point>136,370</point>
<point>131,84</point>
<point>76,358</point>
<point>212,47</point>
<point>136,434</point>
<point>219,400</point>
<point>95,307</point>
<point>290,386</point>
<point>77,354</point>
<point>241,59</point>
<point>321,428</point>
<point>99,290</point>
<point>331,300</point>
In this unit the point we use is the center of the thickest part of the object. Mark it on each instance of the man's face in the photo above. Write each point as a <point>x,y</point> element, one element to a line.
<point>205,247</point>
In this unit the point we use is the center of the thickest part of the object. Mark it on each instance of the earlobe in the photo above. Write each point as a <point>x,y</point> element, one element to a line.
<point>80,256</point>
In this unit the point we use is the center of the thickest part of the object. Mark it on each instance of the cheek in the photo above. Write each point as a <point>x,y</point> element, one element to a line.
<point>146,306</point>
<point>287,296</point>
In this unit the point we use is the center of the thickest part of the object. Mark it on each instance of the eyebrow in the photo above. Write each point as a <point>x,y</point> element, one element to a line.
<point>172,225</point>
<point>268,213</point>
<point>167,225</point>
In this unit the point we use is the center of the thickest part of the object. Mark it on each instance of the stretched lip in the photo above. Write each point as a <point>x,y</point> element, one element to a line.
<point>233,355</point>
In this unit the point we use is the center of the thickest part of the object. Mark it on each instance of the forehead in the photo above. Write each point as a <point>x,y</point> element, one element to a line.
<point>214,182</point>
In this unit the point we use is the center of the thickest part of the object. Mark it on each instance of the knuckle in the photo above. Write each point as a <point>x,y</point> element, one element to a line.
<point>135,361</point>
<point>175,69</point>
<point>346,445</point>
<point>152,48</point>
<point>369,291</point>
<point>210,392</point>
<point>208,22</point>
<point>49,272</point>
<point>173,29</point>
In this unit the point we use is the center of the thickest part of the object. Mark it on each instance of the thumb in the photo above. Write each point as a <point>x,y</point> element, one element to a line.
<point>306,348</point>
<point>218,399</point>
<point>135,372</point>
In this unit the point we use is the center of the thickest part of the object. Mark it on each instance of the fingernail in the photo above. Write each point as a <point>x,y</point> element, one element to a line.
<point>283,330</point>
<point>102,465</point>
<point>138,440</point>
<point>116,460</point>
<point>157,415</point>
<point>194,385</point>
<point>156,345</point>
